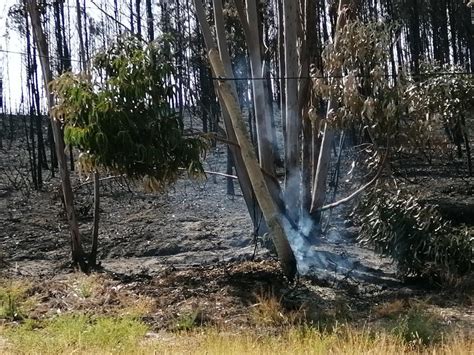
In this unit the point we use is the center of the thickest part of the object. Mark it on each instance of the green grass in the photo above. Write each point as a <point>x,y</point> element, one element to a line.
<point>79,333</point>
<point>84,334</point>
<point>418,327</point>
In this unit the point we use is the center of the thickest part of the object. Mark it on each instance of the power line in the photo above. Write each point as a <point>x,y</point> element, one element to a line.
<point>437,74</point>
<point>40,55</point>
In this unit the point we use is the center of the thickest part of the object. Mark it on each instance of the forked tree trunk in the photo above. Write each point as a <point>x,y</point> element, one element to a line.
<point>265,132</point>
<point>271,213</point>
<point>40,39</point>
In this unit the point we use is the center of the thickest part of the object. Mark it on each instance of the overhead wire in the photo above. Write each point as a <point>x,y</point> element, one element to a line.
<point>249,78</point>
<point>434,74</point>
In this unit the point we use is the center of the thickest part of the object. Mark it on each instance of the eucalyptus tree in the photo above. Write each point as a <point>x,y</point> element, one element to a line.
<point>120,119</point>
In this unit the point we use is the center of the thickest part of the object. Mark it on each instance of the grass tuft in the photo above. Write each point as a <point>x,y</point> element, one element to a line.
<point>268,311</point>
<point>14,300</point>
<point>188,320</point>
<point>417,327</point>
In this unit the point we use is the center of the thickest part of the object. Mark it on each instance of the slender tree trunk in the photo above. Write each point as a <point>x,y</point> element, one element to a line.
<point>82,57</point>
<point>132,20</point>
<point>293,118</point>
<point>230,165</point>
<point>95,229</point>
<point>309,41</point>
<point>149,21</point>
<point>29,130</point>
<point>240,168</point>
<point>40,39</point>
<point>139,18</point>
<point>281,66</point>
<point>262,118</point>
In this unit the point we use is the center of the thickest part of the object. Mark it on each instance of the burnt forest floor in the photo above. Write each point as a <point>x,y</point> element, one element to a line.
<point>190,252</point>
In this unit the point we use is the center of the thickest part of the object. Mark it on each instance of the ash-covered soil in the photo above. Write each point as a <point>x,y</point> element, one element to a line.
<point>193,223</point>
<point>193,245</point>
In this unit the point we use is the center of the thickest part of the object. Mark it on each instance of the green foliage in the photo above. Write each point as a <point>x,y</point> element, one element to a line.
<point>121,120</point>
<point>414,236</point>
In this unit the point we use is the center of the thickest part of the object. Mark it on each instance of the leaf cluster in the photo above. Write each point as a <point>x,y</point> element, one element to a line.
<point>415,236</point>
<point>120,119</point>
<point>364,94</point>
<point>407,110</point>
<point>441,96</point>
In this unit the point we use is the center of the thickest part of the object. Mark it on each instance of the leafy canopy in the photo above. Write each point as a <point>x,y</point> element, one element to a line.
<point>397,113</point>
<point>120,118</point>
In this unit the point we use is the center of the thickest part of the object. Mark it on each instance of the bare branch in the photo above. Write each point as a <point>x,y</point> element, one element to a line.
<point>358,191</point>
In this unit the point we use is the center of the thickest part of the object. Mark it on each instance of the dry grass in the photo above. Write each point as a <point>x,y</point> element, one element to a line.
<point>74,293</point>
<point>96,315</point>
<point>268,311</point>
<point>390,309</point>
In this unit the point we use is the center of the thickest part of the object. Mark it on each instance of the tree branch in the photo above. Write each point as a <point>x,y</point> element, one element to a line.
<point>358,191</point>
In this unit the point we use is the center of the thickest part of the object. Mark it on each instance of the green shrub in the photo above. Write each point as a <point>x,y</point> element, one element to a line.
<point>120,118</point>
<point>415,236</point>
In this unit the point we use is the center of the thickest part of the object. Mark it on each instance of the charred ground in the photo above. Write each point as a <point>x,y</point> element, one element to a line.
<point>191,251</point>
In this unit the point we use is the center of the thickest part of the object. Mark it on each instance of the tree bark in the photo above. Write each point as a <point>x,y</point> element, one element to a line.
<point>139,17</point>
<point>262,118</point>
<point>95,229</point>
<point>82,51</point>
<point>149,21</point>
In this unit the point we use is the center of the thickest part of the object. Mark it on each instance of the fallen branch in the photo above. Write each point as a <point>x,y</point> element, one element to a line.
<point>357,192</point>
<point>216,173</point>
<point>221,174</point>
<point>92,181</point>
